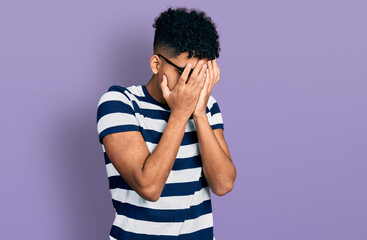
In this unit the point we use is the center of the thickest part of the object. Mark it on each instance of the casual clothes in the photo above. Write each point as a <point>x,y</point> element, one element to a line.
<point>184,209</point>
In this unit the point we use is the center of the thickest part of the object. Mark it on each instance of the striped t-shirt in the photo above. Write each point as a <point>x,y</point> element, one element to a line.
<point>184,209</point>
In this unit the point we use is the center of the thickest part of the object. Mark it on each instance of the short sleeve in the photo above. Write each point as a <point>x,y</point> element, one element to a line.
<point>115,113</point>
<point>215,119</point>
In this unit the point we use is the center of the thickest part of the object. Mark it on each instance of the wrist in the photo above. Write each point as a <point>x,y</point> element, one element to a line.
<point>199,116</point>
<point>179,116</point>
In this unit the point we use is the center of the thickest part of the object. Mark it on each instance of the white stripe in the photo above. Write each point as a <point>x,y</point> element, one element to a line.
<point>112,238</point>
<point>111,170</point>
<point>175,176</point>
<point>163,228</point>
<point>171,202</point>
<point>146,105</point>
<point>151,124</point>
<point>193,225</point>
<point>115,119</point>
<point>216,118</point>
<point>185,175</point>
<point>150,106</point>
<point>211,101</point>
<point>114,96</point>
<point>185,151</point>
<point>137,90</point>
<point>159,125</point>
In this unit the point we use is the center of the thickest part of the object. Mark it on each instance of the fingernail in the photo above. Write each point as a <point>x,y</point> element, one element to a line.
<point>201,61</point>
<point>189,65</point>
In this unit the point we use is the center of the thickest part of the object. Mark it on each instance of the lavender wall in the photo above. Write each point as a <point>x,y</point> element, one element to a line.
<point>293,94</point>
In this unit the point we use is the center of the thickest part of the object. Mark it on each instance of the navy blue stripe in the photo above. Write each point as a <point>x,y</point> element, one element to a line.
<point>215,109</point>
<point>179,164</point>
<point>106,158</point>
<point>186,163</point>
<point>218,125</point>
<point>162,215</point>
<point>120,234</point>
<point>203,208</point>
<point>120,128</point>
<point>113,106</point>
<point>153,113</point>
<point>153,136</point>
<point>118,88</point>
<point>169,189</point>
<point>182,189</point>
<point>114,182</point>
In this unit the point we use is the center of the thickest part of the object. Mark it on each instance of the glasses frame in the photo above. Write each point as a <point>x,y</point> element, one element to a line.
<point>179,68</point>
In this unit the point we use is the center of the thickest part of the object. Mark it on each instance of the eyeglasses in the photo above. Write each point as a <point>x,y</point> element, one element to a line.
<point>179,68</point>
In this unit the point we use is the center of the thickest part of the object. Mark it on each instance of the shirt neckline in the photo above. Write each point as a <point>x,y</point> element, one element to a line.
<point>150,99</point>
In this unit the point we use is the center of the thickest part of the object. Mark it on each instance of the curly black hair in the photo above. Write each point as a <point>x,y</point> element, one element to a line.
<point>179,30</point>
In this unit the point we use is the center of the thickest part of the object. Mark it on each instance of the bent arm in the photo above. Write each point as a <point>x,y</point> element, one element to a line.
<point>146,173</point>
<point>218,167</point>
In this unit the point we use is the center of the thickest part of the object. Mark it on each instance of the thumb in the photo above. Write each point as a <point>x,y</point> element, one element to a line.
<point>165,90</point>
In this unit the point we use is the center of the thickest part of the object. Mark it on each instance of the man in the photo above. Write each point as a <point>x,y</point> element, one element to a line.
<point>163,142</point>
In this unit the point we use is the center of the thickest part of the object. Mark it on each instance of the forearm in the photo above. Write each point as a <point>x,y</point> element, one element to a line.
<point>159,163</point>
<point>218,168</point>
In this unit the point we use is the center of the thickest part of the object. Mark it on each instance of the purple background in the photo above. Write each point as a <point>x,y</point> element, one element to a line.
<point>293,95</point>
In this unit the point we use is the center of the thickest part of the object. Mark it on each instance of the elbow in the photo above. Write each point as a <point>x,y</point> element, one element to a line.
<point>223,191</point>
<point>229,186</point>
<point>150,193</point>
<point>151,188</point>
<point>153,197</point>
<point>226,188</point>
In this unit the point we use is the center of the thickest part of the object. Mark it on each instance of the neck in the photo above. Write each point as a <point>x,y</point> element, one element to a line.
<point>154,89</point>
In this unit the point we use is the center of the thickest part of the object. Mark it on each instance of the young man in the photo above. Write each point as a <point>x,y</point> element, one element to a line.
<point>163,142</point>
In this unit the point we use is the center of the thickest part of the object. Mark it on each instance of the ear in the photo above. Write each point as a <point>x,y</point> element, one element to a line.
<point>155,63</point>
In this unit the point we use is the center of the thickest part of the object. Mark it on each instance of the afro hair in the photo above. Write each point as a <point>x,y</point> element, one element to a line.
<point>180,30</point>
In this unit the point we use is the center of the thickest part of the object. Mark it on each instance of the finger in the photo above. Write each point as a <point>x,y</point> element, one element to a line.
<point>215,68</point>
<point>199,78</point>
<point>218,76</point>
<point>203,84</point>
<point>164,86</point>
<point>211,71</point>
<point>207,80</point>
<point>202,72</point>
<point>210,78</point>
<point>195,72</point>
<point>185,74</point>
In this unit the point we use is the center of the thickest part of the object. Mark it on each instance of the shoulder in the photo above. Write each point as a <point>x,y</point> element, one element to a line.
<point>119,93</point>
